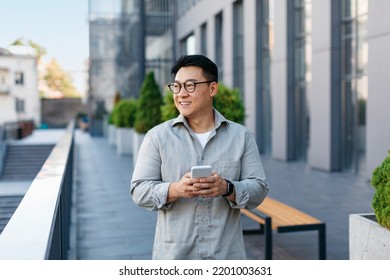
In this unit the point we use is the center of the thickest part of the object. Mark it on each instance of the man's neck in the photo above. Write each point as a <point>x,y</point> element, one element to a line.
<point>203,123</point>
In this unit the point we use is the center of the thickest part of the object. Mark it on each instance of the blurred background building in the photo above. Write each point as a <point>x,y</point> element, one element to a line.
<point>311,73</point>
<point>19,97</point>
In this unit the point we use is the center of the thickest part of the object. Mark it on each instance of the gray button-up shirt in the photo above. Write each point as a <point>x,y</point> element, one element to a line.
<point>198,228</point>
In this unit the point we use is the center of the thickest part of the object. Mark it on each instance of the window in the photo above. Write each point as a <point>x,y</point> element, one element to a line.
<point>203,39</point>
<point>19,78</point>
<point>238,46</point>
<point>219,44</point>
<point>263,88</point>
<point>353,87</point>
<point>188,45</point>
<point>299,76</point>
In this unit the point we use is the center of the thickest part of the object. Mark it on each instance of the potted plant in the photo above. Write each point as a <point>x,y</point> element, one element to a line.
<point>111,130</point>
<point>123,118</point>
<point>370,233</point>
<point>148,112</point>
<point>228,102</point>
<point>82,120</point>
<point>97,119</point>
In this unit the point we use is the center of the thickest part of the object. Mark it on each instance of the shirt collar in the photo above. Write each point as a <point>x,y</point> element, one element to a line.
<point>219,119</point>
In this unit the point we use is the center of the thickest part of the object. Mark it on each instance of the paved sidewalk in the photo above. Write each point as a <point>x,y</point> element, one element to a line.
<point>110,226</point>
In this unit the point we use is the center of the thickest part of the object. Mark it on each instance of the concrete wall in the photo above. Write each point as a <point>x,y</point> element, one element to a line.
<point>279,82</point>
<point>56,113</point>
<point>378,104</point>
<point>319,91</point>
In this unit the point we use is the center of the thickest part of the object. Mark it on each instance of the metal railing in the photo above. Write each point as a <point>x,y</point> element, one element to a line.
<point>3,149</point>
<point>40,227</point>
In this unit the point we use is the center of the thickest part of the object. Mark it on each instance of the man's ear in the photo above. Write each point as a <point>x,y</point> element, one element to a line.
<point>214,89</point>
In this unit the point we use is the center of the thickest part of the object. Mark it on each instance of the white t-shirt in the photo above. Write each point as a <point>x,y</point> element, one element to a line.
<point>203,137</point>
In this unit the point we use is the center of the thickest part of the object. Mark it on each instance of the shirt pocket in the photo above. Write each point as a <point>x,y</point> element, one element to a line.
<point>230,170</point>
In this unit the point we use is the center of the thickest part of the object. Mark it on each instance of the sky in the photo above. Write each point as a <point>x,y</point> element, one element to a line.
<point>60,26</point>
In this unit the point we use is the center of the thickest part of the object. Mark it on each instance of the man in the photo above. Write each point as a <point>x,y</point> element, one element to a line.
<point>198,218</point>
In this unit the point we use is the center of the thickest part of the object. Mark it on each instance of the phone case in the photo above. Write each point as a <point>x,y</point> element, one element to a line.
<point>200,171</point>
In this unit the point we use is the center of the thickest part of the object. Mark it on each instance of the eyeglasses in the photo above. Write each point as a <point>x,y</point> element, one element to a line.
<point>189,86</point>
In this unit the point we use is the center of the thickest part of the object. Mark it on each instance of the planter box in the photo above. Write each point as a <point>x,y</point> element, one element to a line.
<point>137,141</point>
<point>111,135</point>
<point>124,141</point>
<point>367,239</point>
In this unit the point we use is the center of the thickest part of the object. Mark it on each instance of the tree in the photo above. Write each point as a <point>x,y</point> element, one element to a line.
<point>58,81</point>
<point>40,51</point>
<point>148,112</point>
<point>54,82</point>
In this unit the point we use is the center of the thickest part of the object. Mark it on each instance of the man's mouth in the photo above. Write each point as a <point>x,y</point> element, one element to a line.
<point>185,103</point>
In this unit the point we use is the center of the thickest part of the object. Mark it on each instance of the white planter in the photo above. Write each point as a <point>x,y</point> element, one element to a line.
<point>124,141</point>
<point>137,141</point>
<point>111,131</point>
<point>367,239</point>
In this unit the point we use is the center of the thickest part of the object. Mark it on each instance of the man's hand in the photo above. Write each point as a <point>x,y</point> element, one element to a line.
<point>187,187</point>
<point>212,186</point>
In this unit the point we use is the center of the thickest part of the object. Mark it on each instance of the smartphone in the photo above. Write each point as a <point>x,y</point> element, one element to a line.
<point>200,171</point>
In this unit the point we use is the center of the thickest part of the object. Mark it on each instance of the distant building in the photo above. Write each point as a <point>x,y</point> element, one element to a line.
<point>122,36</point>
<point>19,97</point>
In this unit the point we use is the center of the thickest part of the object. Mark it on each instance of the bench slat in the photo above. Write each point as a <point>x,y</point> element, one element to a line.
<point>284,218</point>
<point>281,214</point>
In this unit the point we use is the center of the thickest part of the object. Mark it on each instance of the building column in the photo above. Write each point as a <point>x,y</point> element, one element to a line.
<point>378,112</point>
<point>320,89</point>
<point>279,82</point>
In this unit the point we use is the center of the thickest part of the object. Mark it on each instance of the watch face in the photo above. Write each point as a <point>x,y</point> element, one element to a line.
<point>229,189</point>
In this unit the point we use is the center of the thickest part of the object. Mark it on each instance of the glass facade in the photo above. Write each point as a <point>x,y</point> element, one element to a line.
<point>299,76</point>
<point>264,37</point>
<point>354,55</point>
<point>119,30</point>
<point>238,46</point>
<point>203,39</point>
<point>219,44</point>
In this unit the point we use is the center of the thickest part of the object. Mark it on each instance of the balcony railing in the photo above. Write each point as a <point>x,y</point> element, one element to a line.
<point>40,227</point>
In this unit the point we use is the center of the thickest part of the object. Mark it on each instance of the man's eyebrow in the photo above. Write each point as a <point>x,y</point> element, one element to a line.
<point>188,80</point>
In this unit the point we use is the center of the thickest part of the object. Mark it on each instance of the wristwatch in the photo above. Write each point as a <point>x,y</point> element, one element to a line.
<point>229,188</point>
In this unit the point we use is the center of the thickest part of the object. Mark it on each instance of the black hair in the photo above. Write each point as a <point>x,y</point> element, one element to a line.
<point>210,69</point>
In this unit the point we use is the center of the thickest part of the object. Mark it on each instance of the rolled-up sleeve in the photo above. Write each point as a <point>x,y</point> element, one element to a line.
<point>251,188</point>
<point>147,189</point>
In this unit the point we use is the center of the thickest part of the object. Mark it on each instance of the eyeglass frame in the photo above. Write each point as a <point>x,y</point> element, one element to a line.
<point>184,85</point>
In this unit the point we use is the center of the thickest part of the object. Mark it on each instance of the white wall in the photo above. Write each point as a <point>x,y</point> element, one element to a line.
<point>250,63</point>
<point>279,82</point>
<point>319,91</point>
<point>378,104</point>
<point>27,92</point>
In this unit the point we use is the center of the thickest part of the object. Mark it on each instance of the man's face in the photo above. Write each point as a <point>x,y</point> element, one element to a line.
<point>194,104</point>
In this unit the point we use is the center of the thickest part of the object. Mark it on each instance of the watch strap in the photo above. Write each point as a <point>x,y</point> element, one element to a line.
<point>229,188</point>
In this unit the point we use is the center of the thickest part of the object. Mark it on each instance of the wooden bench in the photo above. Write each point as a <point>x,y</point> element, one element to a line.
<point>275,215</point>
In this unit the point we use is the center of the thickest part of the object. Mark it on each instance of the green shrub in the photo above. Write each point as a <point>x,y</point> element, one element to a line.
<point>228,102</point>
<point>381,200</point>
<point>168,109</point>
<point>123,114</point>
<point>111,117</point>
<point>148,112</point>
